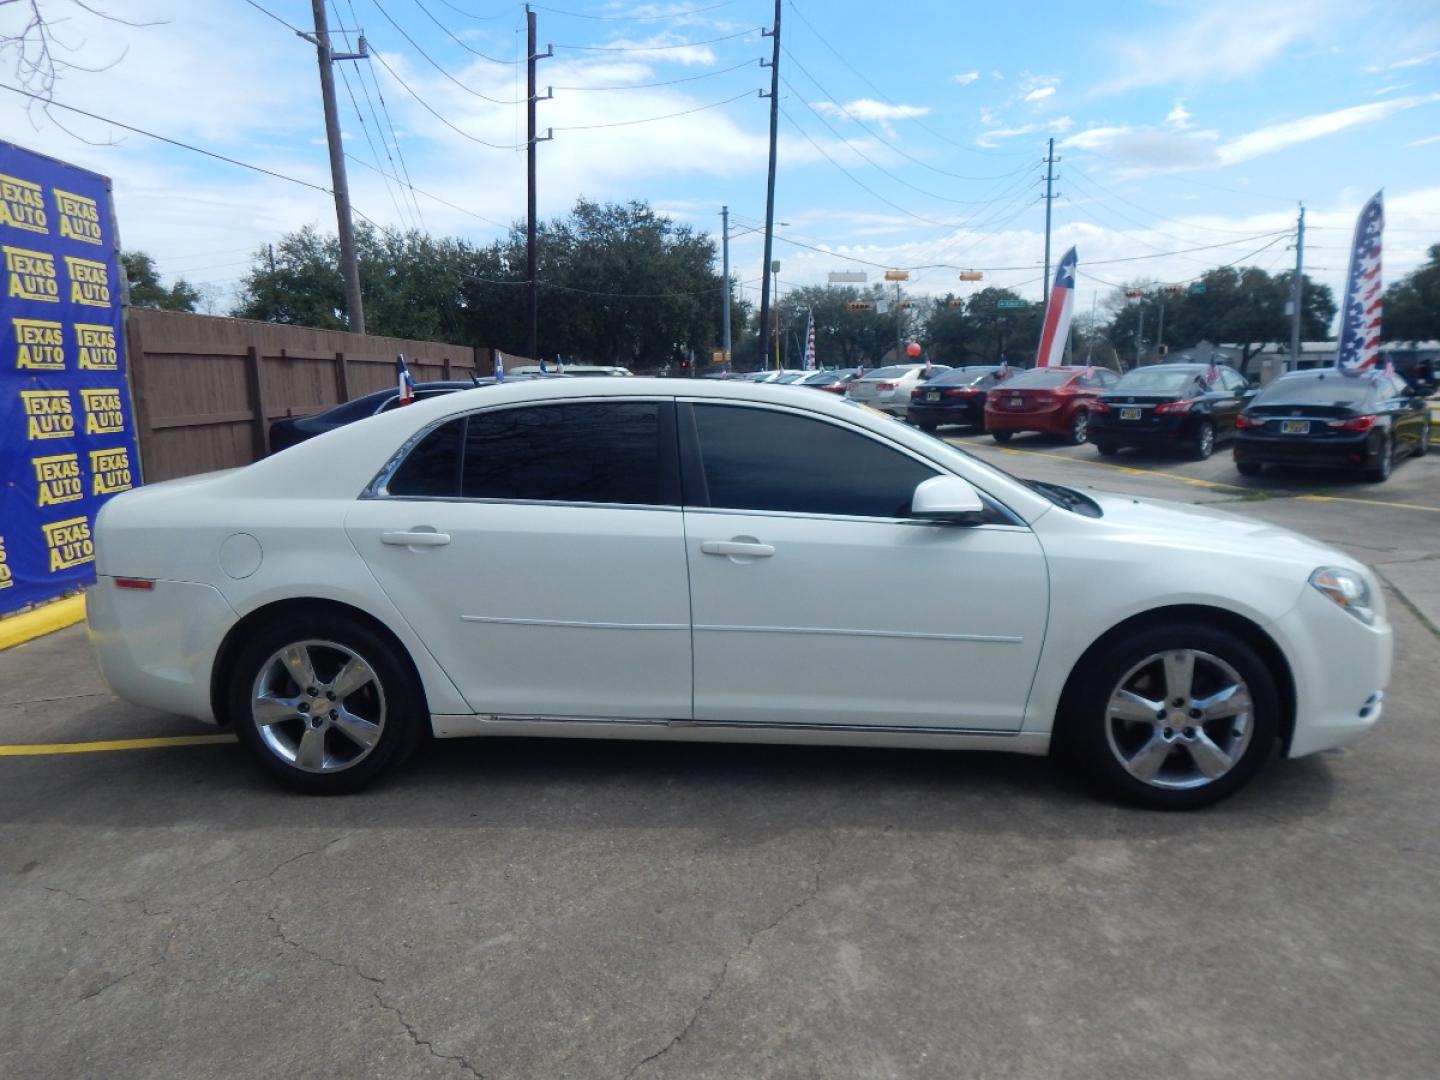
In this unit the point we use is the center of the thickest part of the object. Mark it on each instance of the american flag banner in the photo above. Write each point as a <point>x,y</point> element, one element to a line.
<point>810,341</point>
<point>1057,314</point>
<point>1212,374</point>
<point>1360,316</point>
<point>405,383</point>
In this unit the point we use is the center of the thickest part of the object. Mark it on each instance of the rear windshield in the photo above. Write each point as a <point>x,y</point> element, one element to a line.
<point>1039,377</point>
<point>962,377</point>
<point>1330,388</point>
<point>1155,381</point>
<point>890,372</point>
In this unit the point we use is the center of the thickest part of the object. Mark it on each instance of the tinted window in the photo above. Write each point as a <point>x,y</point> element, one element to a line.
<point>964,377</point>
<point>1040,378</point>
<point>1330,388</point>
<point>433,467</point>
<point>891,372</point>
<point>590,451</point>
<point>757,459</point>
<point>1233,380</point>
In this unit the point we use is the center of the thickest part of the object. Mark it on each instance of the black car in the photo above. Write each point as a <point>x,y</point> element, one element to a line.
<point>1324,418</point>
<point>1191,406</point>
<point>296,429</point>
<point>953,397</point>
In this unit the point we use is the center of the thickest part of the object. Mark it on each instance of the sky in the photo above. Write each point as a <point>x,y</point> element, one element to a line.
<point>911,135</point>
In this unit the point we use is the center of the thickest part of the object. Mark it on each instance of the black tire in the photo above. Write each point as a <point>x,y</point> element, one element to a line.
<point>1080,427</point>
<point>1001,436</point>
<point>391,695</point>
<point>1422,447</point>
<point>1248,468</point>
<point>1202,443</point>
<point>926,427</point>
<point>1380,471</point>
<point>1085,727</point>
<point>1107,449</point>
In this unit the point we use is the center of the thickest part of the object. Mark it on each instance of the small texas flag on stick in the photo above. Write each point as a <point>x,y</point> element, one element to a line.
<point>405,383</point>
<point>1057,314</point>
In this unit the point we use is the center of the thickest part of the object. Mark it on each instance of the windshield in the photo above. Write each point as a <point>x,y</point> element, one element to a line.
<point>1156,381</point>
<point>1326,388</point>
<point>1039,377</point>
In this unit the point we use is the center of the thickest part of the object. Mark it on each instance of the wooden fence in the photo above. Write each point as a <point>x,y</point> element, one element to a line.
<point>206,388</point>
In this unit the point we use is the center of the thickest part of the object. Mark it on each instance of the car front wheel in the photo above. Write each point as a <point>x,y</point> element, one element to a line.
<point>1203,444</point>
<point>1175,717</point>
<point>1080,427</point>
<point>1384,463</point>
<point>324,705</point>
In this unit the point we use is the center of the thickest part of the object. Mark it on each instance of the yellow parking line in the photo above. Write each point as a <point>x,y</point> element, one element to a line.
<point>39,749</point>
<point>1370,502</point>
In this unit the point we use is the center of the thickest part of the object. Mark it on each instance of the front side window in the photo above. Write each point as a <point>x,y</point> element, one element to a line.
<point>761,459</point>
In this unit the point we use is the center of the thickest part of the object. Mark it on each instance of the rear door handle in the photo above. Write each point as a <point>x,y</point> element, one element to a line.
<point>737,547</point>
<point>415,538</point>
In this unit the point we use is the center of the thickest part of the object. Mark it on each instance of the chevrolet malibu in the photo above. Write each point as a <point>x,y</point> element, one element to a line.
<point>419,573</point>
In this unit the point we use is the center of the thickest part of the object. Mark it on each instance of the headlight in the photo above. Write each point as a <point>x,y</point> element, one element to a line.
<point>1347,590</point>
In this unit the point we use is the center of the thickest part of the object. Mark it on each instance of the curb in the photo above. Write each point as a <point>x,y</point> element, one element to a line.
<point>37,622</point>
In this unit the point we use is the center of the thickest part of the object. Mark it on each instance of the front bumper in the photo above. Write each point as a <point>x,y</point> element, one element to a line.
<point>1341,668</point>
<point>157,647</point>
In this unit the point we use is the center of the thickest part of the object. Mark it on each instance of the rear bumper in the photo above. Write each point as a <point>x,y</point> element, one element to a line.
<point>1108,428</point>
<point>1341,668</point>
<point>157,647</point>
<point>925,413</point>
<point>1354,453</point>
<point>1052,421</point>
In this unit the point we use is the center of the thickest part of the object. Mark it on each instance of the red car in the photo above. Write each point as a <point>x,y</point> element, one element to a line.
<point>1053,400</point>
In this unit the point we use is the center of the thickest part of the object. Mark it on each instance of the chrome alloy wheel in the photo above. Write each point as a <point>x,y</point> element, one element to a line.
<point>1180,719</point>
<point>318,706</point>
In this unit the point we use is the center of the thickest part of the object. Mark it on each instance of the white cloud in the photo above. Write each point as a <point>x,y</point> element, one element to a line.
<point>1053,126</point>
<point>1407,62</point>
<point>1178,118</point>
<point>965,78</point>
<point>1215,42</point>
<point>870,109</point>
<point>1425,141</point>
<point>1039,94</point>
<point>1036,89</point>
<point>1267,140</point>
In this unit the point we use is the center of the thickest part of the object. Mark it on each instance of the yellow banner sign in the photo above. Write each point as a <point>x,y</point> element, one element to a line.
<point>79,217</point>
<point>22,205</point>
<point>57,479</point>
<point>30,275</point>
<point>39,344</point>
<point>69,543</point>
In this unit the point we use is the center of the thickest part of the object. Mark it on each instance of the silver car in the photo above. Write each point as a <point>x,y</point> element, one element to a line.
<point>888,388</point>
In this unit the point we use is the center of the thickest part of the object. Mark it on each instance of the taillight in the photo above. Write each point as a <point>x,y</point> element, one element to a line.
<point>143,584</point>
<point>1170,408</point>
<point>1355,423</point>
<point>1242,421</point>
<point>885,386</point>
<point>961,393</point>
<point>1099,406</point>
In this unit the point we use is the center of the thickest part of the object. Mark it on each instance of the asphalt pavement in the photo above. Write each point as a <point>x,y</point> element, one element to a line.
<point>549,909</point>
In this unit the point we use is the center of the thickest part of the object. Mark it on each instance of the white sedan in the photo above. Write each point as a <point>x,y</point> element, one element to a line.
<point>647,559</point>
<point>888,388</point>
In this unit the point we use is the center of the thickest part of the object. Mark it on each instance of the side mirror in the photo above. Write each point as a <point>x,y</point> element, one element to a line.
<point>947,499</point>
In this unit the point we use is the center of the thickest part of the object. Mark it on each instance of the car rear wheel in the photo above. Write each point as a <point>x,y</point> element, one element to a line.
<point>926,426</point>
<point>1384,464</point>
<point>1080,427</point>
<point>324,705</point>
<point>1248,468</point>
<point>1175,717</point>
<point>1001,436</point>
<point>1423,446</point>
<point>1203,443</point>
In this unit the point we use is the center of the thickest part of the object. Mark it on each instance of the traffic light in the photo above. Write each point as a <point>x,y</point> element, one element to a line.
<point>859,305</point>
<point>955,303</point>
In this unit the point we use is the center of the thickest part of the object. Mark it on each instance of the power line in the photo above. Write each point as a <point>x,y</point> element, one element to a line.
<point>431,196</point>
<point>435,64</point>
<point>431,110</point>
<point>652,119</point>
<point>1092,181</point>
<point>459,41</point>
<point>277,18</point>
<point>657,48</point>
<point>471,15</point>
<point>633,18</point>
<point>666,82</point>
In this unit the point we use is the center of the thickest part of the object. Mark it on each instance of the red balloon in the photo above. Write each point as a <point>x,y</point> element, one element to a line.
<point>913,349</point>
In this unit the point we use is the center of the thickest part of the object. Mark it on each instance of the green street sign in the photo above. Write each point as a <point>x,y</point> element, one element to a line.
<point>1197,288</point>
<point>1012,303</point>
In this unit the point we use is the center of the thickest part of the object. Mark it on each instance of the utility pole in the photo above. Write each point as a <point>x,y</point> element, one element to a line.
<point>898,350</point>
<point>532,350</point>
<point>1296,293</point>
<point>1140,334</point>
<point>1160,333</point>
<point>349,267</point>
<point>770,186</point>
<point>775,311</point>
<point>725,283</point>
<point>1050,160</point>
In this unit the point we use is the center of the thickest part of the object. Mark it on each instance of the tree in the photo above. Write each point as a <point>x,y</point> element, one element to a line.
<point>1412,304</point>
<point>843,338</point>
<point>146,290</point>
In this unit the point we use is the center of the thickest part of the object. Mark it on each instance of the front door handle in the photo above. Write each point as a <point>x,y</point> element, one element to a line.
<point>415,538</point>
<point>743,548</point>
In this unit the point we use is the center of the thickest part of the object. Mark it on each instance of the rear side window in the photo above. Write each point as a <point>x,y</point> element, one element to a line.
<point>433,467</point>
<point>591,451</point>
<point>760,459</point>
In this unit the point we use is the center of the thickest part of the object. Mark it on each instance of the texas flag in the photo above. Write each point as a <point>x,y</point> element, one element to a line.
<point>404,382</point>
<point>1057,314</point>
<point>1360,316</point>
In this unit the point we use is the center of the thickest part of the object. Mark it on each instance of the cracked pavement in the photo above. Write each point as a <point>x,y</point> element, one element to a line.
<point>542,910</point>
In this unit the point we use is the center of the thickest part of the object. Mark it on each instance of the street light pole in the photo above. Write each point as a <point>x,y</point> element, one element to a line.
<point>725,284</point>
